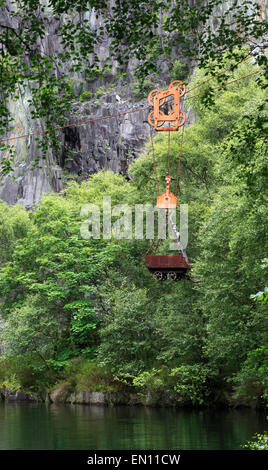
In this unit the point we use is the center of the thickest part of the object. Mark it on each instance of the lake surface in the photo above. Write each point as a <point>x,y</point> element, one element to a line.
<point>69,427</point>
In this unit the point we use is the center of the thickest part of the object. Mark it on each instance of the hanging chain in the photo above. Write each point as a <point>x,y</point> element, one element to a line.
<point>151,246</point>
<point>155,168</point>
<point>168,152</point>
<point>178,173</point>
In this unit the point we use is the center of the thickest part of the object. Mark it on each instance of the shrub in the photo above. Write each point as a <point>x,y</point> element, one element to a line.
<point>190,383</point>
<point>259,442</point>
<point>252,380</point>
<point>86,375</point>
<point>149,381</point>
<point>141,88</point>
<point>100,91</point>
<point>29,372</point>
<point>86,96</point>
<point>186,383</point>
<point>2,372</point>
<point>179,71</point>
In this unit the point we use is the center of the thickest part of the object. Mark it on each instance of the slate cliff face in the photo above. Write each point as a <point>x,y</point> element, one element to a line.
<point>111,143</point>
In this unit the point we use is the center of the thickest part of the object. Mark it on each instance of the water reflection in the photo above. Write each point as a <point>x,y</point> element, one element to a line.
<point>41,426</point>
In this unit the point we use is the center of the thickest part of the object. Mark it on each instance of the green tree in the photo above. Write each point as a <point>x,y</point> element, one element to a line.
<point>54,262</point>
<point>233,238</point>
<point>129,340</point>
<point>64,270</point>
<point>31,329</point>
<point>14,225</point>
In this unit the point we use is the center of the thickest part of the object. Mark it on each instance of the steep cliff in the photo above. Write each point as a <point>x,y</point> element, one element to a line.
<point>111,144</point>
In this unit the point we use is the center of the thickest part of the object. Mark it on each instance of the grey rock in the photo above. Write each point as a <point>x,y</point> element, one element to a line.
<point>60,394</point>
<point>103,398</point>
<point>10,395</point>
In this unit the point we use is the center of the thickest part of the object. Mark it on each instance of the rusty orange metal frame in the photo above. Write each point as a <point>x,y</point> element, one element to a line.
<point>167,200</point>
<point>157,98</point>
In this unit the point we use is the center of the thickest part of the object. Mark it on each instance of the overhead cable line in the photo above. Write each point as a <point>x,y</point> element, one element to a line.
<point>250,55</point>
<point>179,162</point>
<point>135,110</point>
<point>223,85</point>
<point>76,124</point>
<point>220,73</point>
<point>155,166</point>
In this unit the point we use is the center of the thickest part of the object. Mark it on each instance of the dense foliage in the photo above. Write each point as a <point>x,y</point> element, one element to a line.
<point>65,298</point>
<point>260,442</point>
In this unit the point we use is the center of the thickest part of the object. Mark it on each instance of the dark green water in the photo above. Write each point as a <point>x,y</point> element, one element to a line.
<point>62,427</point>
